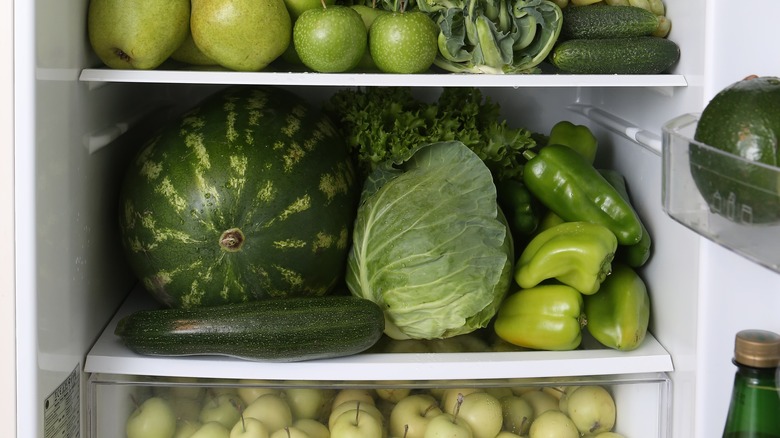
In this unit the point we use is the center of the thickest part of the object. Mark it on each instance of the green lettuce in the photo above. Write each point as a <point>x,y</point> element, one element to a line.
<point>430,245</point>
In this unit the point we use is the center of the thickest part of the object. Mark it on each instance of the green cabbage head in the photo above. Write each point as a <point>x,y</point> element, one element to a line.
<point>430,245</point>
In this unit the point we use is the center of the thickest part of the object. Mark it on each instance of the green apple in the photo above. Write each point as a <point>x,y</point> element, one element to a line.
<point>505,434</point>
<point>247,427</point>
<point>403,42</point>
<point>592,409</point>
<point>330,39</point>
<point>411,415</point>
<point>608,435</point>
<point>187,408</point>
<point>553,424</point>
<point>541,402</point>
<point>154,418</point>
<point>313,428</point>
<point>352,405</point>
<point>448,426</point>
<point>222,409</point>
<point>357,423</point>
<point>393,395</point>
<point>482,412</point>
<point>140,34</point>
<point>272,410</point>
<point>298,7</point>
<point>349,394</point>
<point>498,391</point>
<point>309,402</point>
<point>517,414</point>
<point>243,35</point>
<point>212,429</point>
<point>186,428</point>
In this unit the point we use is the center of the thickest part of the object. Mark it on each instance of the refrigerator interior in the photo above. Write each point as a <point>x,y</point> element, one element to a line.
<point>75,129</point>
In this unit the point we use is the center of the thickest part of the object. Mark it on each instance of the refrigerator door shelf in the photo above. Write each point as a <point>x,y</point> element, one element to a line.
<point>737,208</point>
<point>97,75</point>
<point>109,356</point>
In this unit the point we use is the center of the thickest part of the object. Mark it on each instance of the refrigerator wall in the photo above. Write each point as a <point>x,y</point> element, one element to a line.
<point>7,321</point>
<point>73,136</point>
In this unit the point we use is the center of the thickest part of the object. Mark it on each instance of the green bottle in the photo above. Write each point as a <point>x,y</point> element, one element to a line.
<point>754,411</point>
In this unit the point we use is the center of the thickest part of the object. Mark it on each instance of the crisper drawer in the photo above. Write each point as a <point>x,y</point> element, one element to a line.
<point>323,409</point>
<point>637,380</point>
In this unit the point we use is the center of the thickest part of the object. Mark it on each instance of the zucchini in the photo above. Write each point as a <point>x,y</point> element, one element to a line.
<point>638,55</point>
<point>593,22</point>
<point>281,330</point>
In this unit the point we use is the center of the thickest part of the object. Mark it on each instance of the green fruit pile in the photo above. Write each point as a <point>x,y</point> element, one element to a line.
<point>254,410</point>
<point>248,35</point>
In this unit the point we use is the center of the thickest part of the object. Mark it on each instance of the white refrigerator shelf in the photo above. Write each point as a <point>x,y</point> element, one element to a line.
<point>110,356</point>
<point>98,75</point>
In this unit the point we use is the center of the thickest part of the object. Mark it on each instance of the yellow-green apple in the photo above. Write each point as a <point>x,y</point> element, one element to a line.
<point>449,399</point>
<point>154,418</point>
<point>272,410</point>
<point>248,427</point>
<point>411,415</point>
<point>351,405</point>
<point>553,424</point>
<point>290,432</point>
<point>592,409</point>
<point>186,428</point>
<point>482,412</point>
<point>357,423</point>
<point>186,408</point>
<point>212,429</point>
<point>448,425</point>
<point>347,394</point>
<point>393,395</point>
<point>309,402</point>
<point>312,427</point>
<point>249,392</point>
<point>517,413</point>
<point>223,409</point>
<point>541,402</point>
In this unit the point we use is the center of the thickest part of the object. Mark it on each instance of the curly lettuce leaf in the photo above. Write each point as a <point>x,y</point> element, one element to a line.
<point>430,245</point>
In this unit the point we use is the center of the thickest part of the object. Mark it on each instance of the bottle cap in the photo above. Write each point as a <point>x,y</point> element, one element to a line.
<point>757,348</point>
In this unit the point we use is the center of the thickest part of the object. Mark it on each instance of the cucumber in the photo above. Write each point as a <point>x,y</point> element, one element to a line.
<point>637,55</point>
<point>280,330</point>
<point>594,22</point>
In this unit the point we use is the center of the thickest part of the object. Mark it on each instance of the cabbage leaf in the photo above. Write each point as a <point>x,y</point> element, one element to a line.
<point>430,245</point>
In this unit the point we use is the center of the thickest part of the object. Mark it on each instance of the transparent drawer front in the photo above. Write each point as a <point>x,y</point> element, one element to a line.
<point>729,200</point>
<point>310,409</point>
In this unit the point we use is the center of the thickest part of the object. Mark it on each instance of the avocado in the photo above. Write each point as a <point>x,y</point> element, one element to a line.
<point>739,175</point>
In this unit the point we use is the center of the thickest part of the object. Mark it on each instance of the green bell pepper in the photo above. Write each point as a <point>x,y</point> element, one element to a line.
<point>618,315</point>
<point>637,254</point>
<point>520,208</point>
<point>577,137</point>
<point>549,220</point>
<point>546,317</point>
<point>566,183</point>
<point>578,254</point>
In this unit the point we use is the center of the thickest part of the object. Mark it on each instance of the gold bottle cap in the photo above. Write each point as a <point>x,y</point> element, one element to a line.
<point>757,348</point>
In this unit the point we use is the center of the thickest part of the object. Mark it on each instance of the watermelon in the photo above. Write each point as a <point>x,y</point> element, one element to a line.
<point>249,195</point>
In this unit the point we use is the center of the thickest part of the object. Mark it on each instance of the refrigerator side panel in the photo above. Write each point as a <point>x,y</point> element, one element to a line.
<point>7,298</point>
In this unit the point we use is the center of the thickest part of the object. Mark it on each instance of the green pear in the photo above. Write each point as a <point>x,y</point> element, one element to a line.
<point>137,34</point>
<point>189,53</point>
<point>242,35</point>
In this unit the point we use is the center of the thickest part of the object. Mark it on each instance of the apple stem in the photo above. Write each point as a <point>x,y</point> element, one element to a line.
<point>134,400</point>
<point>458,403</point>
<point>406,430</point>
<point>324,6</point>
<point>357,413</point>
<point>287,429</point>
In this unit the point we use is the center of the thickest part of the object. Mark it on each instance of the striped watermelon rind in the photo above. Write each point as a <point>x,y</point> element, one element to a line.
<point>249,195</point>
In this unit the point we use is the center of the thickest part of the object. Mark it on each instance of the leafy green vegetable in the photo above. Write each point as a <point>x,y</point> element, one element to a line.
<point>430,245</point>
<point>494,36</point>
<point>389,123</point>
